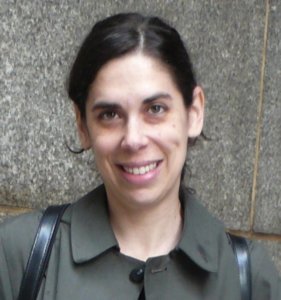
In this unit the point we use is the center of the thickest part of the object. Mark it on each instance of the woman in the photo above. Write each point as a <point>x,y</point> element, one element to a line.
<point>141,235</point>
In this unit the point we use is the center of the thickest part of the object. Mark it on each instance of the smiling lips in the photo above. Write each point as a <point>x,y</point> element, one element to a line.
<point>140,170</point>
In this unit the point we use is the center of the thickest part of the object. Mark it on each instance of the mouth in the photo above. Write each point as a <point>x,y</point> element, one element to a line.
<point>141,170</point>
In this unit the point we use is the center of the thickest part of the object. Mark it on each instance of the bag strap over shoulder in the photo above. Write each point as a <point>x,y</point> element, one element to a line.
<point>40,252</point>
<point>241,251</point>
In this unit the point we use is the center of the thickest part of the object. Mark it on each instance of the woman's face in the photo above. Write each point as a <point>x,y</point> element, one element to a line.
<point>138,126</point>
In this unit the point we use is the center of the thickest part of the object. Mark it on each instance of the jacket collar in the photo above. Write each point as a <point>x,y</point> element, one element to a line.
<point>201,234</point>
<point>92,235</point>
<point>91,232</point>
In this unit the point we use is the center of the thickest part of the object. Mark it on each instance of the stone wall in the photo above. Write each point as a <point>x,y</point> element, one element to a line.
<point>235,46</point>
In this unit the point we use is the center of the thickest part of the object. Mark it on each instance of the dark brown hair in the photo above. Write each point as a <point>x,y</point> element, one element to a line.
<point>124,33</point>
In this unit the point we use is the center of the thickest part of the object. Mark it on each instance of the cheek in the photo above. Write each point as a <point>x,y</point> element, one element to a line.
<point>104,144</point>
<point>172,137</point>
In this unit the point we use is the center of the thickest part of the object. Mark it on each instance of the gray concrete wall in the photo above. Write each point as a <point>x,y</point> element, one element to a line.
<point>235,46</point>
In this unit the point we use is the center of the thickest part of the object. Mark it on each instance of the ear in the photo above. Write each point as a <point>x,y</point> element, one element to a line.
<point>196,113</point>
<point>82,129</point>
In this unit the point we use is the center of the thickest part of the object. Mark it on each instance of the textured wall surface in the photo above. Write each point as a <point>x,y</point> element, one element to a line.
<point>236,52</point>
<point>268,205</point>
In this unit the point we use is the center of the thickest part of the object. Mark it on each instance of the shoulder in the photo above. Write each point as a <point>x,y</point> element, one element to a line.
<point>211,234</point>
<point>16,239</point>
<point>266,281</point>
<point>17,235</point>
<point>20,224</point>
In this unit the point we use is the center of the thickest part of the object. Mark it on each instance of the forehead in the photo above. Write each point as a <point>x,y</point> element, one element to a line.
<point>132,75</point>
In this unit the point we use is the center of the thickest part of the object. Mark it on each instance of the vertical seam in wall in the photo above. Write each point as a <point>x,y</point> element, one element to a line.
<point>259,116</point>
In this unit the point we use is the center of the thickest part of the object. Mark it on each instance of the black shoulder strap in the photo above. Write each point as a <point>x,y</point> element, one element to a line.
<point>241,251</point>
<point>40,252</point>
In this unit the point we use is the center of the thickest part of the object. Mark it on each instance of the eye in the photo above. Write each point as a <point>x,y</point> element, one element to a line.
<point>108,115</point>
<point>156,109</point>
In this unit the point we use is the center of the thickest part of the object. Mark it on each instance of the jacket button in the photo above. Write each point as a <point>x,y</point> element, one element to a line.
<point>137,274</point>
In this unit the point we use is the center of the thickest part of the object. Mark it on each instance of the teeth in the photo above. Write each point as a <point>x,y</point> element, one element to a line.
<point>142,170</point>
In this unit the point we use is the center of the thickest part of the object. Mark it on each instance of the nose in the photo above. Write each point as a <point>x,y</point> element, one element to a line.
<point>134,137</point>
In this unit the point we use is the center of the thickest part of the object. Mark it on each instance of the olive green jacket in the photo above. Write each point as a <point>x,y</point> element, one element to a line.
<point>86,263</point>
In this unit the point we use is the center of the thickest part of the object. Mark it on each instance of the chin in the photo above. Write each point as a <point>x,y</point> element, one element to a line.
<point>143,198</point>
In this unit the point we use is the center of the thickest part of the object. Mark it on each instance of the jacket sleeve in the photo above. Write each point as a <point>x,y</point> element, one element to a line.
<point>266,281</point>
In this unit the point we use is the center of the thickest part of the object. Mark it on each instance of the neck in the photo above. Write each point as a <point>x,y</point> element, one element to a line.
<point>149,231</point>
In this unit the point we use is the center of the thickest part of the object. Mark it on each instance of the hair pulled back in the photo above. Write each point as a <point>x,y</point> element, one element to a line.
<point>122,34</point>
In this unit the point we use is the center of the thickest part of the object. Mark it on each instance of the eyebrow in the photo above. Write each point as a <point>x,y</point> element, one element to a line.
<point>157,96</point>
<point>104,104</point>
